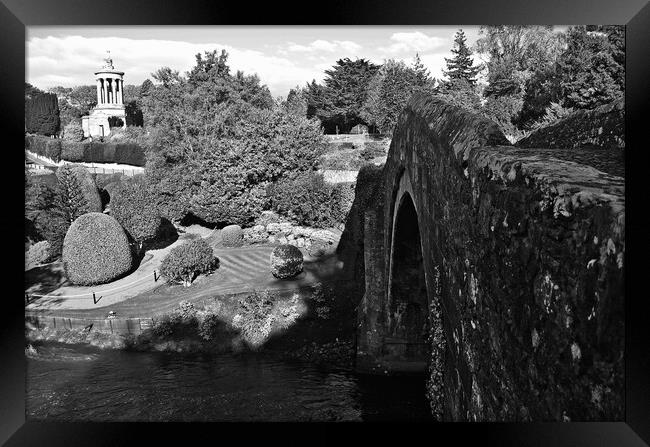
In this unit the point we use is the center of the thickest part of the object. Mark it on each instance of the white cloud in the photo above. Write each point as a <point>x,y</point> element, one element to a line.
<point>323,45</point>
<point>72,60</point>
<point>413,42</point>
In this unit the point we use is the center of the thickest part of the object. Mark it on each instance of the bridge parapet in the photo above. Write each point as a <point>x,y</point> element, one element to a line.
<point>522,255</point>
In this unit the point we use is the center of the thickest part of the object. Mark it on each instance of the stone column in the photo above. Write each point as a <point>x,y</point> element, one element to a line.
<point>105,90</point>
<point>99,91</point>
<point>120,96</point>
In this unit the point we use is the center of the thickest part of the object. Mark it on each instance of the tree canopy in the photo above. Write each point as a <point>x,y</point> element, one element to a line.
<point>220,140</point>
<point>339,101</point>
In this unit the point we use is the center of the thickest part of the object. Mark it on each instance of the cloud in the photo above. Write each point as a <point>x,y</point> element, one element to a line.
<point>72,60</point>
<point>412,42</point>
<point>323,45</point>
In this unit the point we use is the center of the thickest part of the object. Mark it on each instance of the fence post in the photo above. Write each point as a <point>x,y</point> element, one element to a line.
<point>155,279</point>
<point>94,300</point>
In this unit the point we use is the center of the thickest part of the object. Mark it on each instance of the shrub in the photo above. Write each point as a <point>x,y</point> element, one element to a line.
<point>73,131</point>
<point>186,261</point>
<point>342,198</point>
<point>286,261</point>
<point>53,150</point>
<point>133,207</point>
<point>78,192</point>
<point>95,250</point>
<point>37,254</point>
<point>232,236</point>
<point>307,200</point>
<point>73,150</point>
<point>255,318</point>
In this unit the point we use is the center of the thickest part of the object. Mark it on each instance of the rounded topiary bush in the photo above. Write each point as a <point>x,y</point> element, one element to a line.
<point>232,236</point>
<point>286,261</point>
<point>95,250</point>
<point>186,261</point>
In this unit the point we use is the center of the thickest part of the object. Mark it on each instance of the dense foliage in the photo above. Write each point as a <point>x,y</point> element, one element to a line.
<point>286,261</point>
<point>77,191</point>
<point>339,101</point>
<point>309,200</point>
<point>389,91</point>
<point>73,131</point>
<point>37,254</point>
<point>45,218</point>
<point>132,206</point>
<point>220,142</point>
<point>184,262</point>
<point>42,114</point>
<point>95,250</point>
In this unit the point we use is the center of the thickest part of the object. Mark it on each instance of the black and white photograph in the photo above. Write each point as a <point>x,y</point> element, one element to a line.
<point>325,223</point>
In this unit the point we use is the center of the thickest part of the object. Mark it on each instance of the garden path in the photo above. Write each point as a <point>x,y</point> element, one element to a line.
<point>240,270</point>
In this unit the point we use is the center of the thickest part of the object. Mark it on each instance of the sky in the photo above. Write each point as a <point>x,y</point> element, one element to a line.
<point>282,56</point>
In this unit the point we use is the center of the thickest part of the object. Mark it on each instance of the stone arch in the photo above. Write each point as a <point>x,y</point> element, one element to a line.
<point>407,307</point>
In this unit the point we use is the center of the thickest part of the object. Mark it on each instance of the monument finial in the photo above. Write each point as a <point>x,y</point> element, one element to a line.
<point>108,62</point>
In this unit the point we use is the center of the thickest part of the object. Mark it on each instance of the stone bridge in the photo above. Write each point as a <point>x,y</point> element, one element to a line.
<point>497,269</point>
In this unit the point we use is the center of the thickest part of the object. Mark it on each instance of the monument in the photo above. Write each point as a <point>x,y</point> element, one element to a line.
<point>110,111</point>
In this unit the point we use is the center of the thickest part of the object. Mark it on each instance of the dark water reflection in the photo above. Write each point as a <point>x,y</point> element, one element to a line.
<point>81,383</point>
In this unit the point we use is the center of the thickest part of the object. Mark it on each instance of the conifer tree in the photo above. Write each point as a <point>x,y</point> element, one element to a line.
<point>460,66</point>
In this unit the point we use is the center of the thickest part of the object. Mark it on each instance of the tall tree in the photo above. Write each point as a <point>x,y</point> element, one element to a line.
<point>591,69</point>
<point>42,114</point>
<point>389,92</point>
<point>344,92</point>
<point>461,67</point>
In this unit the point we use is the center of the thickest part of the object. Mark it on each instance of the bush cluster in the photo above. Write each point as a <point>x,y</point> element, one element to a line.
<point>95,250</point>
<point>232,236</point>
<point>37,254</point>
<point>73,131</point>
<point>186,261</point>
<point>310,200</point>
<point>286,261</point>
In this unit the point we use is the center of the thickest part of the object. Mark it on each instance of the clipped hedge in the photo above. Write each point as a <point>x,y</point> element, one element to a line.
<point>286,261</point>
<point>73,150</point>
<point>53,150</point>
<point>122,153</point>
<point>44,146</point>
<point>232,236</point>
<point>184,262</point>
<point>95,250</point>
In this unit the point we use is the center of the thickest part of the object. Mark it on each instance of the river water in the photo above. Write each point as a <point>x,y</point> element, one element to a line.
<point>82,383</point>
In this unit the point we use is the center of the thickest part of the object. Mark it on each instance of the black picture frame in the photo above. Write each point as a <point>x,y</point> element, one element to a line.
<point>15,15</point>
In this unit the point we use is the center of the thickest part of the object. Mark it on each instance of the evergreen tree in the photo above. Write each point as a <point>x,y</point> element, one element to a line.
<point>343,94</point>
<point>42,114</point>
<point>461,65</point>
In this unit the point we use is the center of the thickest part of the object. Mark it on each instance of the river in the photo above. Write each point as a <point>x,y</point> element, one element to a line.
<point>83,383</point>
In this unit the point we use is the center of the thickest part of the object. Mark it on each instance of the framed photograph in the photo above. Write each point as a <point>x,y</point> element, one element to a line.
<point>352,214</point>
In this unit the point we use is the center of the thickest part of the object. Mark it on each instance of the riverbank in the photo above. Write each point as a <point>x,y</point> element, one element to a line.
<point>315,324</point>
